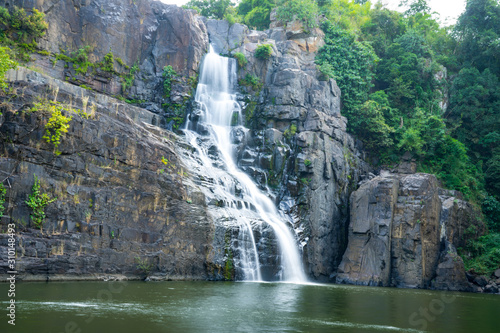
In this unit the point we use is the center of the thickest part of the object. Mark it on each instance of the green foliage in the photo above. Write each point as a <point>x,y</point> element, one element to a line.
<point>290,131</point>
<point>251,81</point>
<point>107,64</point>
<point>80,59</point>
<point>231,16</point>
<point>256,13</point>
<point>482,255</point>
<point>478,30</point>
<point>3,192</point>
<point>38,201</point>
<point>264,51</point>
<point>210,8</point>
<point>303,10</point>
<point>351,62</point>
<point>128,79</point>
<point>370,126</point>
<point>120,62</point>
<point>168,75</point>
<point>474,112</point>
<point>491,210</point>
<point>19,30</point>
<point>240,57</point>
<point>307,163</point>
<point>326,71</point>
<point>5,64</point>
<point>143,266</point>
<point>57,125</point>
<point>347,14</point>
<point>176,114</point>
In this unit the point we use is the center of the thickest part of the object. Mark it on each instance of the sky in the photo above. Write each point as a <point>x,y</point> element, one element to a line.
<point>449,10</point>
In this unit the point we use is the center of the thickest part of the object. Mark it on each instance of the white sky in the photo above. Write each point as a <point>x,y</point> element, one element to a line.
<point>449,10</point>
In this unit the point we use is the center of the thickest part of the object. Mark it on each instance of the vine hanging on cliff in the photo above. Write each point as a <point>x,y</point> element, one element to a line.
<point>38,201</point>
<point>168,75</point>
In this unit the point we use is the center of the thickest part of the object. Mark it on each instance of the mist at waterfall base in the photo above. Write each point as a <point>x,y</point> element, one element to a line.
<point>213,129</point>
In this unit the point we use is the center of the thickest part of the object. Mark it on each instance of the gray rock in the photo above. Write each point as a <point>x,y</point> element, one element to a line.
<point>114,208</point>
<point>481,280</point>
<point>402,217</point>
<point>491,288</point>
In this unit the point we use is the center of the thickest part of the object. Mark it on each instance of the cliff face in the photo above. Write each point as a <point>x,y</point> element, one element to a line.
<point>404,232</point>
<point>127,203</point>
<point>298,144</point>
<point>145,33</point>
<point>120,206</point>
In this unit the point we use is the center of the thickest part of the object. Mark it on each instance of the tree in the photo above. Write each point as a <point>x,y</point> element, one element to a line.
<point>415,6</point>
<point>210,8</point>
<point>478,33</point>
<point>303,10</point>
<point>256,13</point>
<point>352,63</point>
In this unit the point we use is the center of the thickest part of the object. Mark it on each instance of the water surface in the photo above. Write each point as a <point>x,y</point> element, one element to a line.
<point>243,307</point>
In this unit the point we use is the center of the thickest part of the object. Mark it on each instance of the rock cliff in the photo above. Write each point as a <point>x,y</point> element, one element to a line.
<point>404,232</point>
<point>148,34</point>
<point>126,202</point>
<point>298,145</point>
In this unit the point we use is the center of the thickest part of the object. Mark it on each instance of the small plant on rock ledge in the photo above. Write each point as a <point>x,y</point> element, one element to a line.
<point>264,51</point>
<point>38,201</point>
<point>168,75</point>
<point>240,57</point>
<point>57,125</point>
<point>143,266</point>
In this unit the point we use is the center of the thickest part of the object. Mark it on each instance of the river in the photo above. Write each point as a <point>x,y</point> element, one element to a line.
<point>135,306</point>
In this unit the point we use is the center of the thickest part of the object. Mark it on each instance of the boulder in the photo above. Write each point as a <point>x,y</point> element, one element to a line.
<point>404,218</point>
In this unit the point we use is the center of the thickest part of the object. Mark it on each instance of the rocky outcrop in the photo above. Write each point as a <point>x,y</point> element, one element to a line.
<point>298,145</point>
<point>149,34</point>
<point>404,231</point>
<point>124,204</point>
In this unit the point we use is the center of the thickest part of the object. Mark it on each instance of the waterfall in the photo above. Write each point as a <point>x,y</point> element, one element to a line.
<point>211,130</point>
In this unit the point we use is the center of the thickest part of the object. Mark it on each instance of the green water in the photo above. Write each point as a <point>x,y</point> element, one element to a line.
<point>243,307</point>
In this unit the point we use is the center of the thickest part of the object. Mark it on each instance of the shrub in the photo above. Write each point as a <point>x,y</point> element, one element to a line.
<point>58,122</point>
<point>482,255</point>
<point>251,81</point>
<point>5,64</point>
<point>168,75</point>
<point>240,57</point>
<point>107,64</point>
<point>38,201</point>
<point>304,10</point>
<point>128,79</point>
<point>326,71</point>
<point>264,51</point>
<point>290,132</point>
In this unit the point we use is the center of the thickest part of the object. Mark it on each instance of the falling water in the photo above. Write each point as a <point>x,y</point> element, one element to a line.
<point>212,125</point>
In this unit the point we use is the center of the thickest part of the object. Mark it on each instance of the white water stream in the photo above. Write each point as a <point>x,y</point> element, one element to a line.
<point>242,199</point>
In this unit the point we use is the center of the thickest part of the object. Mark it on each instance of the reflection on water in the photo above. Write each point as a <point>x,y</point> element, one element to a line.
<point>244,307</point>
